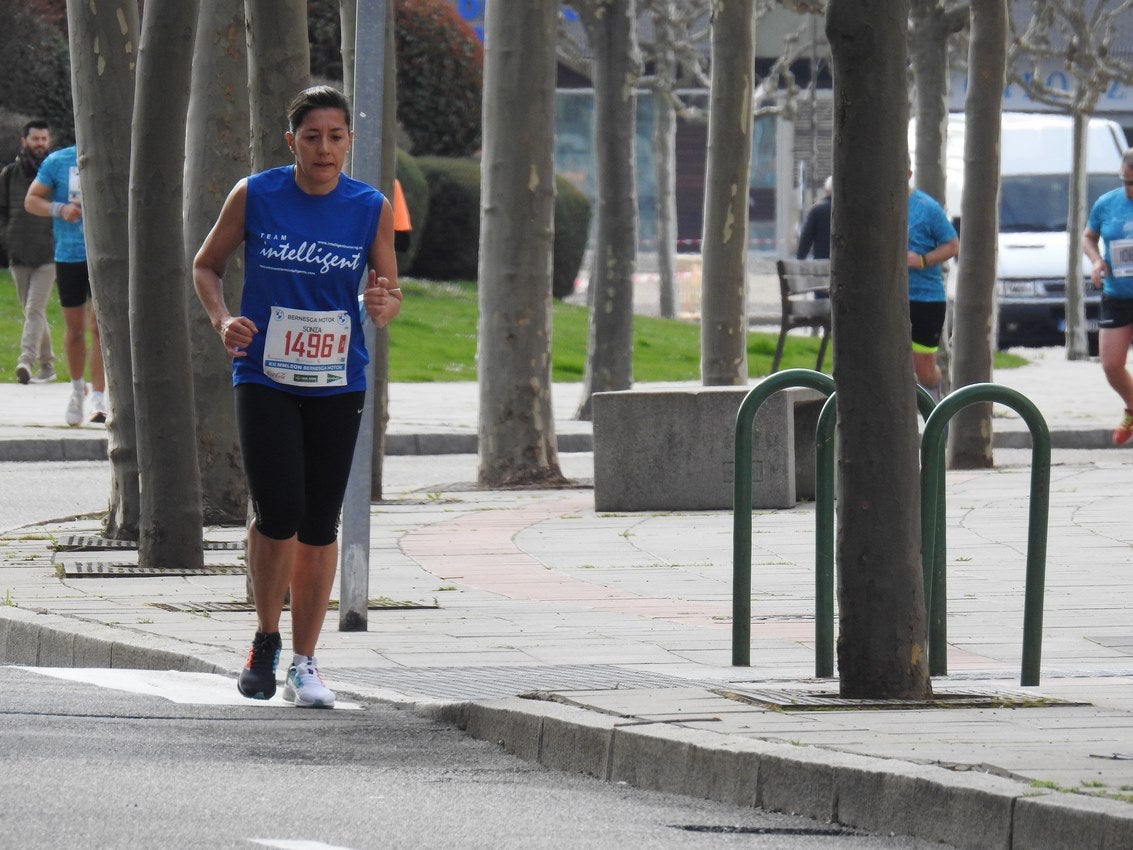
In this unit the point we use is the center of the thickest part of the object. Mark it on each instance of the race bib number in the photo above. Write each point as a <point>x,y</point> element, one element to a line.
<point>74,188</point>
<point>307,348</point>
<point>1121,257</point>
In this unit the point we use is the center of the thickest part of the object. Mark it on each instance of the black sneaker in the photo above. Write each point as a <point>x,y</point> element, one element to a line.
<point>257,679</point>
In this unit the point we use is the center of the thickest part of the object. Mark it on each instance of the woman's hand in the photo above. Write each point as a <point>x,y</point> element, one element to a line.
<point>382,303</point>
<point>236,333</point>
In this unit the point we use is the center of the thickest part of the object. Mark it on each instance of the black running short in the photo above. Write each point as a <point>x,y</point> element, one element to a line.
<point>927,319</point>
<point>73,280</point>
<point>1115,312</point>
<point>297,454</point>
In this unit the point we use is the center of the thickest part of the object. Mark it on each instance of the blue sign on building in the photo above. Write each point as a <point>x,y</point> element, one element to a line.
<point>473,12</point>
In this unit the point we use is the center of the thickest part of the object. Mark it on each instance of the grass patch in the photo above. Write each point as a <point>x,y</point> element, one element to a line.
<point>434,340</point>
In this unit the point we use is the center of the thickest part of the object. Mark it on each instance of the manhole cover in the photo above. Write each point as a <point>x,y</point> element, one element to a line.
<point>378,604</point>
<point>95,543</point>
<point>468,683</point>
<point>96,569</point>
<point>789,699</point>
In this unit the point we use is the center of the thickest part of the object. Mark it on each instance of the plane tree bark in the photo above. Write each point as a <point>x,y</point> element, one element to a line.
<point>170,522</point>
<point>970,432</point>
<point>723,302</point>
<point>882,639</point>
<point>104,48</point>
<point>216,156</point>
<point>517,228</point>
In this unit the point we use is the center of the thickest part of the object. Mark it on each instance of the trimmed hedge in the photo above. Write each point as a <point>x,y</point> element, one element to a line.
<point>416,192</point>
<point>450,241</point>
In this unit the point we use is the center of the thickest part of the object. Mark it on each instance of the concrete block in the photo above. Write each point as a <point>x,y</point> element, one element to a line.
<point>1062,821</point>
<point>674,449</point>
<point>962,809</point>
<point>508,725</point>
<point>56,648</point>
<point>684,761</point>
<point>21,642</point>
<point>800,782</point>
<point>92,652</point>
<point>578,744</point>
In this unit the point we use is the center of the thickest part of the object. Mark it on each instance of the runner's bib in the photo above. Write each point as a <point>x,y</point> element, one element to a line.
<point>307,348</point>
<point>1121,257</point>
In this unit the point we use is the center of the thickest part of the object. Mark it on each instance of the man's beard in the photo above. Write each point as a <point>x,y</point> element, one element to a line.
<point>30,161</point>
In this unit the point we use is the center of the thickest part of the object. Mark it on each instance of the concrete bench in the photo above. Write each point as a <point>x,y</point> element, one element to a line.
<point>674,449</point>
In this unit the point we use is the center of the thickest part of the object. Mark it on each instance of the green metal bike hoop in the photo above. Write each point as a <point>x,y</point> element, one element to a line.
<point>932,508</point>
<point>741,498</point>
<point>824,529</point>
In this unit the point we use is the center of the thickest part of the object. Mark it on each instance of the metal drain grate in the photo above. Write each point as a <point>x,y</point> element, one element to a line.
<point>95,543</point>
<point>468,683</point>
<point>379,604</point>
<point>96,569</point>
<point>787,699</point>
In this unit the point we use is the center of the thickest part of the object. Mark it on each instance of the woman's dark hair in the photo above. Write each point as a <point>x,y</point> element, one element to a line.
<point>316,97</point>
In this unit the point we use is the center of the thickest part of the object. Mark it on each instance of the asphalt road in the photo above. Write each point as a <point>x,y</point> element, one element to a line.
<point>93,766</point>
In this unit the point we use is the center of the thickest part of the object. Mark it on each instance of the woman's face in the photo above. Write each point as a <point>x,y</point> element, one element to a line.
<point>320,145</point>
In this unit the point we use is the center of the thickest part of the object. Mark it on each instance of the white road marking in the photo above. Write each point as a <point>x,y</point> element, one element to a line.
<point>285,844</point>
<point>173,685</point>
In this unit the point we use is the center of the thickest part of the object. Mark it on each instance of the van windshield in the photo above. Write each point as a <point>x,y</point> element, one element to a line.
<point>1038,203</point>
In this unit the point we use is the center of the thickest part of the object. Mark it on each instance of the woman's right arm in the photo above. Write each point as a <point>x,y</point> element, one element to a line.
<point>236,332</point>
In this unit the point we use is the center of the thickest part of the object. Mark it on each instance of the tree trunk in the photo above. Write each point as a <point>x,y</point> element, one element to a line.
<point>882,639</point>
<point>611,29</point>
<point>1076,345</point>
<point>104,45</point>
<point>279,67</point>
<point>348,17</point>
<point>928,49</point>
<point>170,527</point>
<point>517,425</point>
<point>723,296</point>
<point>665,154</point>
<point>216,156</point>
<point>969,435</point>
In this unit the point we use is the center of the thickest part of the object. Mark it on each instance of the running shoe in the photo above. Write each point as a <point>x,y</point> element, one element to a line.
<point>75,408</point>
<point>45,375</point>
<point>23,371</point>
<point>304,686</point>
<point>1124,431</point>
<point>257,679</point>
<point>97,407</point>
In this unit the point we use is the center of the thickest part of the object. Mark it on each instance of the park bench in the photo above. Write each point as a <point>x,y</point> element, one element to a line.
<point>804,289</point>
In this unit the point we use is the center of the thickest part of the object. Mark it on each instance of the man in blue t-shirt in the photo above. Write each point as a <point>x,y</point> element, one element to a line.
<point>1111,221</point>
<point>932,242</point>
<point>55,192</point>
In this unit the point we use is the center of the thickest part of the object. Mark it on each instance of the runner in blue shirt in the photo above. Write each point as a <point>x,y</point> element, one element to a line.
<point>56,192</point>
<point>1111,222</point>
<point>932,242</point>
<point>309,233</point>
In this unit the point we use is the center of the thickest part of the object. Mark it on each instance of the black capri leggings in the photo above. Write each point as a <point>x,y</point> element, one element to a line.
<point>297,453</point>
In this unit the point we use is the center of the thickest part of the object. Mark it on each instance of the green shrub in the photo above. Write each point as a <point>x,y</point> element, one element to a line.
<point>440,77</point>
<point>572,228</point>
<point>416,192</point>
<point>450,240</point>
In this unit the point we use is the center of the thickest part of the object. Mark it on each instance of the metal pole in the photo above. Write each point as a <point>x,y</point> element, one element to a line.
<point>354,558</point>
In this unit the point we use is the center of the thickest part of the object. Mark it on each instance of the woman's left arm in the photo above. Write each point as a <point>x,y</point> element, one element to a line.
<point>382,298</point>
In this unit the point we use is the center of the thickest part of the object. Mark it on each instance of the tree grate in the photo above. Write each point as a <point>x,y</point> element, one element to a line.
<point>95,543</point>
<point>787,699</point>
<point>376,604</point>
<point>97,569</point>
<point>470,683</point>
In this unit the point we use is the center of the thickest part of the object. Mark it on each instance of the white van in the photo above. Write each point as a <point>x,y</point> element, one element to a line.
<point>1035,159</point>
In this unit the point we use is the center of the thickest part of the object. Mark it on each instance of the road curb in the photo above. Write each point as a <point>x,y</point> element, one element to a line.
<point>964,809</point>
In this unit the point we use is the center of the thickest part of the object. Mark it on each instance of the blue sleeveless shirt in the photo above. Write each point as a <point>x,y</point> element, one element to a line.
<point>304,260</point>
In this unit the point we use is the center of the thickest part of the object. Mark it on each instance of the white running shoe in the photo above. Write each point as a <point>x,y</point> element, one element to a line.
<point>97,407</point>
<point>304,686</point>
<point>75,408</point>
